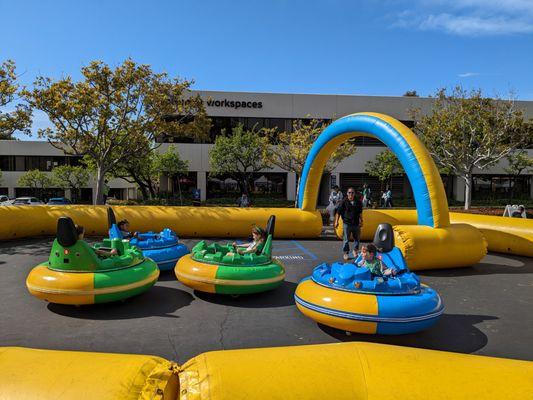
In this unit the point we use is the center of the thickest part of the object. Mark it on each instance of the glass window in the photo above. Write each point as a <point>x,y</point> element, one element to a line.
<point>6,163</point>
<point>20,163</point>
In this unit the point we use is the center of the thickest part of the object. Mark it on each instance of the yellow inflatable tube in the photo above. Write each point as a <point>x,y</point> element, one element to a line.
<point>27,221</point>
<point>29,374</point>
<point>502,234</point>
<point>332,371</point>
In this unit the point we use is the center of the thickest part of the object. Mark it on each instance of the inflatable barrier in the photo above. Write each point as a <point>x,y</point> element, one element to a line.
<point>502,234</point>
<point>329,371</point>
<point>30,374</point>
<point>214,222</point>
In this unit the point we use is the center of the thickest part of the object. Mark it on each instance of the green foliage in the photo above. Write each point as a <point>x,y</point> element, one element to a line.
<point>170,163</point>
<point>290,149</point>
<point>239,155</point>
<point>411,93</point>
<point>20,118</point>
<point>384,166</point>
<point>466,131</point>
<point>114,115</point>
<point>71,177</point>
<point>519,163</point>
<point>37,180</point>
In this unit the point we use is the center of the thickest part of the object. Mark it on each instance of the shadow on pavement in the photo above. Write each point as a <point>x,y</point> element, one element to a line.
<point>479,269</point>
<point>282,296</point>
<point>159,301</point>
<point>453,332</point>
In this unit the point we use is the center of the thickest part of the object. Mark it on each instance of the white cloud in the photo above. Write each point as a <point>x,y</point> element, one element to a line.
<point>475,26</point>
<point>469,17</point>
<point>468,74</point>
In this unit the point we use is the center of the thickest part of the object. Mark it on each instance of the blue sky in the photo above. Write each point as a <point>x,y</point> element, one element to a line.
<point>330,46</point>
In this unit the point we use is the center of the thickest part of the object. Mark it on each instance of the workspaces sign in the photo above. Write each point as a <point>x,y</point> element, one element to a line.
<point>235,104</point>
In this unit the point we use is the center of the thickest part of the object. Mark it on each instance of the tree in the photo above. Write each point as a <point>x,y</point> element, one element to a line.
<point>411,93</point>
<point>465,130</point>
<point>112,114</point>
<point>141,171</point>
<point>36,180</point>
<point>289,150</point>
<point>384,167</point>
<point>71,177</point>
<point>20,118</point>
<point>239,155</point>
<point>170,164</point>
<point>519,162</point>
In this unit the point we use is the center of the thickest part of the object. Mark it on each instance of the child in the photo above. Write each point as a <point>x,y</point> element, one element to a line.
<point>373,263</point>
<point>80,230</point>
<point>124,227</point>
<point>258,235</point>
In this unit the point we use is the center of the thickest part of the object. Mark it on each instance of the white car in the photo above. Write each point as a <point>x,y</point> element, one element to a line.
<point>27,201</point>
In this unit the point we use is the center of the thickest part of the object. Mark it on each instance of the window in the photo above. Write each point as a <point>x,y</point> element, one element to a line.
<point>20,163</point>
<point>501,187</point>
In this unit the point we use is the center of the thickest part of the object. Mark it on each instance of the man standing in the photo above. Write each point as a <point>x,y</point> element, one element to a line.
<point>351,212</point>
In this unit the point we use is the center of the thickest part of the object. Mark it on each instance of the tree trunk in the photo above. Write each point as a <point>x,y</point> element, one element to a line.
<point>144,192</point>
<point>468,190</point>
<point>100,178</point>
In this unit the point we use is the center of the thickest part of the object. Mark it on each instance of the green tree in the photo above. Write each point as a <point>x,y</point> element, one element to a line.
<point>170,164</point>
<point>519,163</point>
<point>466,131</point>
<point>36,180</point>
<point>19,119</point>
<point>71,177</point>
<point>111,114</point>
<point>384,167</point>
<point>411,93</point>
<point>239,155</point>
<point>289,150</point>
<point>140,170</point>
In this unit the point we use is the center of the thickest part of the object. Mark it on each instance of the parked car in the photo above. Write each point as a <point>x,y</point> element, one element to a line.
<point>27,201</point>
<point>57,201</point>
<point>3,198</point>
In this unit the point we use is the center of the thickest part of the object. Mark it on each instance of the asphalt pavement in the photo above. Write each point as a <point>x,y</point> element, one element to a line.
<point>488,310</point>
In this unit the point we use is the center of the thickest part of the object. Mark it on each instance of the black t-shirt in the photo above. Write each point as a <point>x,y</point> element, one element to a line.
<point>350,213</point>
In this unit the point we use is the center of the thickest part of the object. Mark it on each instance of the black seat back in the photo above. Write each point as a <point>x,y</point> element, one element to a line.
<point>111,219</point>
<point>271,224</point>
<point>66,232</point>
<point>384,238</point>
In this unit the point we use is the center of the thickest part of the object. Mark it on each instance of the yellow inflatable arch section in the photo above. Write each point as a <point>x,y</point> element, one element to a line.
<point>434,243</point>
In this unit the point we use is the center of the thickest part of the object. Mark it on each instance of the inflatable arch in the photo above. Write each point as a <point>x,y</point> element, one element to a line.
<point>434,242</point>
<point>422,172</point>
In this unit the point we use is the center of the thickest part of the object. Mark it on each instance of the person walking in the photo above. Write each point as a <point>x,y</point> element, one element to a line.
<point>367,196</point>
<point>335,199</point>
<point>388,198</point>
<point>351,211</point>
<point>244,201</point>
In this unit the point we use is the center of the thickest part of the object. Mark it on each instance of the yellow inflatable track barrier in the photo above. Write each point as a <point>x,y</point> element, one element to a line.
<point>29,374</point>
<point>333,371</point>
<point>27,221</point>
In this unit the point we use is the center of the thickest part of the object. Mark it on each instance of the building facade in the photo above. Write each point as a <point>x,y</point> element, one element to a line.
<point>228,109</point>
